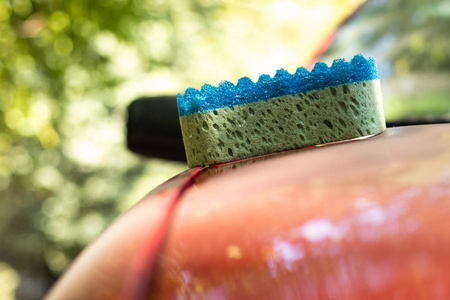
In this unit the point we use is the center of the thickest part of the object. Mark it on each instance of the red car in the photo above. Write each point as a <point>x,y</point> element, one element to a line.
<point>360,219</point>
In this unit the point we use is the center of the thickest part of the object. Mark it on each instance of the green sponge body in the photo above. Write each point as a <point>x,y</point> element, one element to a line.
<point>281,123</point>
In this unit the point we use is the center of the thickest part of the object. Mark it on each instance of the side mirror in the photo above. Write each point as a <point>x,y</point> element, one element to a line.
<point>153,128</point>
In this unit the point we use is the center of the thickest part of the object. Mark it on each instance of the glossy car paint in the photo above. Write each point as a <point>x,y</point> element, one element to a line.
<point>366,219</point>
<point>118,265</point>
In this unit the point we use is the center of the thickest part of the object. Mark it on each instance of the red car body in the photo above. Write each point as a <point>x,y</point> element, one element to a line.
<point>361,219</point>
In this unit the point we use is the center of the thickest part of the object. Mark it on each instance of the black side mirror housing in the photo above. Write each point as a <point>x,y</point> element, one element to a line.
<point>153,128</point>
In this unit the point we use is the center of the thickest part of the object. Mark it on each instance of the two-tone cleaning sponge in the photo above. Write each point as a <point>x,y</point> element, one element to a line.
<point>283,112</point>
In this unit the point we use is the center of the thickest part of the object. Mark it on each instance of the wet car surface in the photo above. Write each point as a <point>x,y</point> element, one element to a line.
<point>363,219</point>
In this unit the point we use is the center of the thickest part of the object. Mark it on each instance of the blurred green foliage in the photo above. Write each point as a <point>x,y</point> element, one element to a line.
<point>64,171</point>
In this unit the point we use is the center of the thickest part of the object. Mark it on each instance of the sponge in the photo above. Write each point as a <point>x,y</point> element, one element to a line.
<point>328,104</point>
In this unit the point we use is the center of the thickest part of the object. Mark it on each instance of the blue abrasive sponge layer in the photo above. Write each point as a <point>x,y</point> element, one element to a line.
<point>231,122</point>
<point>283,83</point>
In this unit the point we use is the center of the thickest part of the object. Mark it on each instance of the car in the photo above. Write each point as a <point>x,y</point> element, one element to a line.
<point>359,219</point>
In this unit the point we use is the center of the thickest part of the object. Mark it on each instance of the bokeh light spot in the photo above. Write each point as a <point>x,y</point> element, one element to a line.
<point>48,137</point>
<point>22,162</point>
<point>91,226</point>
<point>58,21</point>
<point>5,11</point>
<point>9,280</point>
<point>33,25</point>
<point>48,177</point>
<point>63,45</point>
<point>105,43</point>
<point>13,118</point>
<point>22,8</point>
<point>56,260</point>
